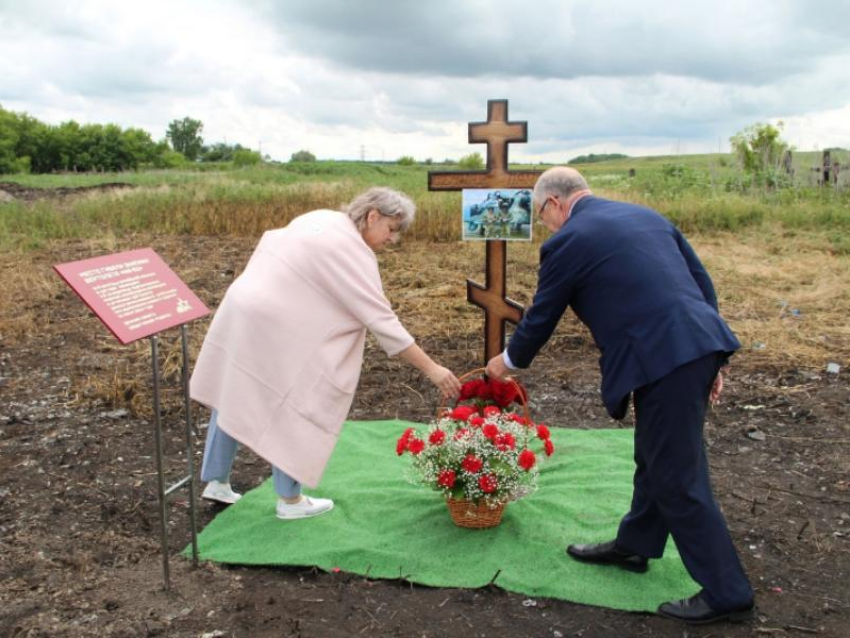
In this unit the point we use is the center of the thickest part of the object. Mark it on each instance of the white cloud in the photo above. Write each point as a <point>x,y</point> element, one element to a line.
<point>388,79</point>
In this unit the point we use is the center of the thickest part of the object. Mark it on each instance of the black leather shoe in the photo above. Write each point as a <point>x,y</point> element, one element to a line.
<point>695,611</point>
<point>609,554</point>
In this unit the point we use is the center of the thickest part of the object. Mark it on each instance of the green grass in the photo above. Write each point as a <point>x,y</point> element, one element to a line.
<point>700,193</point>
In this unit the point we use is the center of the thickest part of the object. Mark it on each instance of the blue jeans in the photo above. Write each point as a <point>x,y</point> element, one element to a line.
<point>219,452</point>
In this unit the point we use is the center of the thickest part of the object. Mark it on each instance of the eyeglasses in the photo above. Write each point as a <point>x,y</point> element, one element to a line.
<point>545,204</point>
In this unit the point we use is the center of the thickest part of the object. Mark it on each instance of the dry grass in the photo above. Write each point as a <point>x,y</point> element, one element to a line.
<point>785,297</point>
<point>783,294</point>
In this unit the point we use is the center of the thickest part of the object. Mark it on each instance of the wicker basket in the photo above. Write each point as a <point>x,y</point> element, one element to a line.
<point>468,514</point>
<point>475,516</point>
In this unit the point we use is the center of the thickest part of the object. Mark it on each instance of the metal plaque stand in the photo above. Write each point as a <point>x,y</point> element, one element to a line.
<point>189,479</point>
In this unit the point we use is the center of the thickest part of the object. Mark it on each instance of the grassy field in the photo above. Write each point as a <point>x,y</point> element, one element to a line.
<point>699,193</point>
<point>780,258</point>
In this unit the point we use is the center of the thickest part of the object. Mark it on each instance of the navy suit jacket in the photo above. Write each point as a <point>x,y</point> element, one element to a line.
<point>637,284</point>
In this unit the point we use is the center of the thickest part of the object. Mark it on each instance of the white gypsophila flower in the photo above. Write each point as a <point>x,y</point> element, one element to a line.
<point>461,459</point>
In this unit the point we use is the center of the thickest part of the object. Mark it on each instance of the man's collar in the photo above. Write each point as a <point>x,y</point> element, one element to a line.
<point>574,199</point>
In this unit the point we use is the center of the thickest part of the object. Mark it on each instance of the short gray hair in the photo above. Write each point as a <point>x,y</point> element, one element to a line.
<point>559,181</point>
<point>386,201</point>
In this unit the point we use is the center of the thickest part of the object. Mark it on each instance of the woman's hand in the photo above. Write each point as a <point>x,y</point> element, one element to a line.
<point>445,380</point>
<point>441,377</point>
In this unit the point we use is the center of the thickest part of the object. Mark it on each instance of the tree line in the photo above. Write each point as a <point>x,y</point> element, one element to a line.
<point>28,145</point>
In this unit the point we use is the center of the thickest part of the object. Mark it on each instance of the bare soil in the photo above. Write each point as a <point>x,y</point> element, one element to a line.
<point>79,521</point>
<point>12,191</point>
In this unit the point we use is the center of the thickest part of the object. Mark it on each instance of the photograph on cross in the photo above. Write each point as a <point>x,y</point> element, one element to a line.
<point>496,214</point>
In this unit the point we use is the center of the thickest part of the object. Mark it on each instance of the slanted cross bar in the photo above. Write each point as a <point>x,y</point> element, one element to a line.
<point>497,132</point>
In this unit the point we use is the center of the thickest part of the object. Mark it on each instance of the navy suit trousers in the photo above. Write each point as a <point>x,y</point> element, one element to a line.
<point>672,490</point>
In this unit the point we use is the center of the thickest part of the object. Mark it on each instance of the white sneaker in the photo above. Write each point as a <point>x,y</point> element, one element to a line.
<point>220,492</point>
<point>306,507</point>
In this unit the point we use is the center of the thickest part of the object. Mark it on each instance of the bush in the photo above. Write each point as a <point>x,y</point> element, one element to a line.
<point>169,159</point>
<point>471,162</point>
<point>302,156</point>
<point>244,157</point>
<point>406,160</point>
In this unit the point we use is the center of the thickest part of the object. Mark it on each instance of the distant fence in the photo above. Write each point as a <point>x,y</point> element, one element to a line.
<point>832,171</point>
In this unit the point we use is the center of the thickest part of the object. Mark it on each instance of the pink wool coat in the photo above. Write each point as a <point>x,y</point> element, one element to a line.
<point>283,354</point>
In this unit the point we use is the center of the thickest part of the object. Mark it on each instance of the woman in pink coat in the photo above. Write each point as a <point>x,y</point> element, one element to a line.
<point>282,358</point>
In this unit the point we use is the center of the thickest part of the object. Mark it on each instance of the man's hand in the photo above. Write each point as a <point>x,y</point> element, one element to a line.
<point>716,388</point>
<point>496,368</point>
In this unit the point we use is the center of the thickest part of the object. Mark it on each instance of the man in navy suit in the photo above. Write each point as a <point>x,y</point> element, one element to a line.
<point>634,280</point>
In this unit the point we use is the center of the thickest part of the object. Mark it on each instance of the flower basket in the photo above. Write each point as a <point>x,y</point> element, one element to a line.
<point>475,515</point>
<point>480,454</point>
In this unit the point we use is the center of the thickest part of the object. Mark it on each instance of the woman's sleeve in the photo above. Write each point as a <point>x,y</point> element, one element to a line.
<point>353,279</point>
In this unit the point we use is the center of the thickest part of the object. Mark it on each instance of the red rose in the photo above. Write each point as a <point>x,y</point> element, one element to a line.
<point>476,421</point>
<point>543,432</point>
<point>462,412</point>
<point>472,389</point>
<point>490,431</point>
<point>505,441</point>
<point>548,447</point>
<point>526,460</point>
<point>488,483</point>
<point>459,434</point>
<point>516,418</point>
<point>502,393</point>
<point>437,437</point>
<point>416,446</point>
<point>472,463</point>
<point>491,410</point>
<point>447,478</point>
<point>404,439</point>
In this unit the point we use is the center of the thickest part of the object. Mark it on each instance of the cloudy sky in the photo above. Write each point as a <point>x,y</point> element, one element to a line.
<point>384,78</point>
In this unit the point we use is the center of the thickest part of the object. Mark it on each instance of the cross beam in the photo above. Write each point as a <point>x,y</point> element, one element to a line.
<point>497,132</point>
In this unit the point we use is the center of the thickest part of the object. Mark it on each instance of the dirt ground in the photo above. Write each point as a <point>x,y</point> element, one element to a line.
<point>10,191</point>
<point>79,521</point>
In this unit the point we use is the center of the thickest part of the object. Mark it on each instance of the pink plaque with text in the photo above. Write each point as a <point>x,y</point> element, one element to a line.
<point>134,293</point>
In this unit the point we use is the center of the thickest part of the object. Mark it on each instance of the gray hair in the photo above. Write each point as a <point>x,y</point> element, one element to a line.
<point>386,201</point>
<point>559,181</point>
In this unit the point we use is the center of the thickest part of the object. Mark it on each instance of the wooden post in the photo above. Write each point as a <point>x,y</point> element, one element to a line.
<point>497,132</point>
<point>826,168</point>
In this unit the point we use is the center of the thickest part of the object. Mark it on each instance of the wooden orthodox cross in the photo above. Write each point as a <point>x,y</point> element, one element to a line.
<point>497,132</point>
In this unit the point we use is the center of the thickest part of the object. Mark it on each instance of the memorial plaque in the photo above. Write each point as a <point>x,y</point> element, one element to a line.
<point>135,294</point>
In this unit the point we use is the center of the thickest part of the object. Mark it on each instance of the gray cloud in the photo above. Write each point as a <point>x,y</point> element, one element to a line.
<point>406,77</point>
<point>728,41</point>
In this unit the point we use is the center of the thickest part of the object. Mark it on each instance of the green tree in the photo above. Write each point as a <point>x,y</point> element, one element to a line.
<point>138,147</point>
<point>302,156</point>
<point>32,143</point>
<point>406,160</point>
<point>759,147</point>
<point>471,162</point>
<point>185,137</point>
<point>9,137</point>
